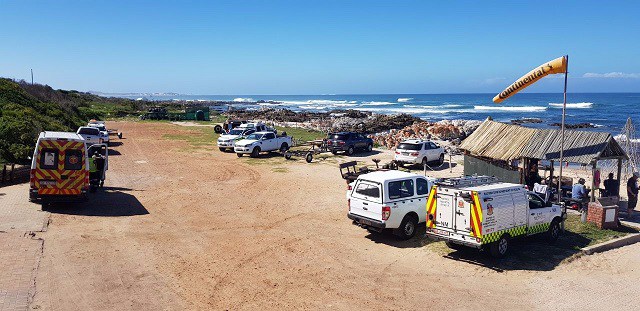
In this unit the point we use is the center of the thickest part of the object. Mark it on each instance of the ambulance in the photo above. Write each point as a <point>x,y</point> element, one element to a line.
<point>483,213</point>
<point>59,168</point>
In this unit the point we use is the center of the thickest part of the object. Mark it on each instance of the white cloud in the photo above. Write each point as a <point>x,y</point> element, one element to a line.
<point>612,75</point>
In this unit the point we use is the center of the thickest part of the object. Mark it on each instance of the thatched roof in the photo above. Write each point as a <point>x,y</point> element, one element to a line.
<point>506,142</point>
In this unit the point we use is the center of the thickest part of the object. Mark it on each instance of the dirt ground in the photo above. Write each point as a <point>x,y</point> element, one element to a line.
<point>182,227</point>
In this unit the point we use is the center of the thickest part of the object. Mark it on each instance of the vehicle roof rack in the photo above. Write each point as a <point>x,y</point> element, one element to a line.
<point>467,181</point>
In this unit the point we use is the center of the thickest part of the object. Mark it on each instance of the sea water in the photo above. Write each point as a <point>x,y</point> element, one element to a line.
<point>605,111</point>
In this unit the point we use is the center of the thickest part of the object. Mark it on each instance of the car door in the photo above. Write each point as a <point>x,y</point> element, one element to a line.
<point>401,199</point>
<point>434,152</point>
<point>538,214</point>
<point>422,193</point>
<point>269,142</point>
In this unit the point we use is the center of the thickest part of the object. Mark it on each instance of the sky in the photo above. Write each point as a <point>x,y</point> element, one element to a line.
<point>319,47</point>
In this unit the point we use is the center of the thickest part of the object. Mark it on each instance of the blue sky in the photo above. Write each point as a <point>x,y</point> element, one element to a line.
<point>319,47</point>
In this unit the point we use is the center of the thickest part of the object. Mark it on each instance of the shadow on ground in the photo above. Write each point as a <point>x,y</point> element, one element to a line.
<point>361,154</point>
<point>433,167</point>
<point>115,143</point>
<point>113,152</point>
<point>531,253</point>
<point>108,202</point>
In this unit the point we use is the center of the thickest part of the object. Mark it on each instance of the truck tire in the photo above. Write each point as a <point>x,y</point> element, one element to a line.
<point>239,155</point>
<point>222,149</point>
<point>408,227</point>
<point>500,248</point>
<point>217,129</point>
<point>350,151</point>
<point>284,147</point>
<point>308,157</point>
<point>369,147</point>
<point>441,159</point>
<point>255,152</point>
<point>554,231</point>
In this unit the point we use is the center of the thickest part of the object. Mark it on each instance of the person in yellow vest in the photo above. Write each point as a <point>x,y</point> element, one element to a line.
<point>94,175</point>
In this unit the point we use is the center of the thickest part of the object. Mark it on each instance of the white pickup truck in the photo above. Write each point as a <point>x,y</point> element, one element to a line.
<point>389,200</point>
<point>90,134</point>
<point>104,133</point>
<point>259,142</point>
<point>228,140</point>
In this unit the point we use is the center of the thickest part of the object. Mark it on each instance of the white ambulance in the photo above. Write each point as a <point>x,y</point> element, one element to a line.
<point>482,212</point>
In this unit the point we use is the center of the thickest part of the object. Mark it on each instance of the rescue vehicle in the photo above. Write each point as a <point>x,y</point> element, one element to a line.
<point>389,200</point>
<point>483,213</point>
<point>59,168</point>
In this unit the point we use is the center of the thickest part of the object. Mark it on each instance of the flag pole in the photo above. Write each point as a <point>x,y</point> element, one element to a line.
<point>564,108</point>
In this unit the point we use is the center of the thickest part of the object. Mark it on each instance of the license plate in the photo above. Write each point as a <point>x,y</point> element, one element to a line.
<point>441,232</point>
<point>364,222</point>
<point>405,153</point>
<point>47,182</point>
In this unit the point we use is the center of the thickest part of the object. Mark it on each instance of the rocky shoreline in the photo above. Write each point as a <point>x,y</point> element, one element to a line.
<point>385,130</point>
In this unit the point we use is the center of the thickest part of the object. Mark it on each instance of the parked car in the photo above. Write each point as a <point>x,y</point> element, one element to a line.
<point>104,133</point>
<point>59,168</point>
<point>228,140</point>
<point>481,212</point>
<point>90,134</point>
<point>415,151</point>
<point>389,200</point>
<point>348,142</point>
<point>259,142</point>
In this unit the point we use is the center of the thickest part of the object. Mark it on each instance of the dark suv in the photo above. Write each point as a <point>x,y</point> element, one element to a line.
<point>348,142</point>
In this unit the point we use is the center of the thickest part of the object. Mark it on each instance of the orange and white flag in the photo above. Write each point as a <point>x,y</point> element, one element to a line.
<point>558,65</point>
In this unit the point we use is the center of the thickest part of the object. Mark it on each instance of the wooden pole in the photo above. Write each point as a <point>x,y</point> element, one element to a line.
<point>619,176</point>
<point>593,181</point>
<point>564,109</point>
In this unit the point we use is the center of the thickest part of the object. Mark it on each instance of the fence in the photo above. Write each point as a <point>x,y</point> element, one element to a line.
<point>14,173</point>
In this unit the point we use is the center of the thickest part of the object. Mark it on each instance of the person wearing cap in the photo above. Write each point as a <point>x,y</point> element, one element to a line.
<point>632,193</point>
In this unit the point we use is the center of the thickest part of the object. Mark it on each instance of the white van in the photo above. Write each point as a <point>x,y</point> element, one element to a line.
<point>389,200</point>
<point>59,169</point>
<point>481,212</point>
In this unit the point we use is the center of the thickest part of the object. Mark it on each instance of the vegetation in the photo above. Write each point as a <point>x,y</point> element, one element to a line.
<point>28,109</point>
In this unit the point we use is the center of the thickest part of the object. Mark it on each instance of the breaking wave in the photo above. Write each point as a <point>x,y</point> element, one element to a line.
<point>376,103</point>
<point>572,105</point>
<point>404,100</point>
<point>243,100</point>
<point>511,108</point>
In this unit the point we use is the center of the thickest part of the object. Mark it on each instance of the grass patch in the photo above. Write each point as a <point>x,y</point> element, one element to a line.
<point>196,137</point>
<point>591,232</point>
<point>279,169</point>
<point>301,134</point>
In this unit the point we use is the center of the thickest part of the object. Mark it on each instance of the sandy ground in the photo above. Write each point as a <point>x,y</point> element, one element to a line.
<point>180,227</point>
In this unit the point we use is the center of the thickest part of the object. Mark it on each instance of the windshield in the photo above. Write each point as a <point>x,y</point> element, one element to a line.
<point>88,131</point>
<point>255,136</point>
<point>405,146</point>
<point>235,132</point>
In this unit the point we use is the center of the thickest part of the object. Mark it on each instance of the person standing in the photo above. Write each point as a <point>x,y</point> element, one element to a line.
<point>611,187</point>
<point>632,193</point>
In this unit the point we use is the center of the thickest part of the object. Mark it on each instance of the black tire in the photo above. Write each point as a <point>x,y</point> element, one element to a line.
<point>350,151</point>
<point>369,147</point>
<point>255,152</point>
<point>500,248</point>
<point>284,147</point>
<point>334,152</point>
<point>424,162</point>
<point>308,157</point>
<point>441,159</point>
<point>217,129</point>
<point>102,184</point>
<point>239,155</point>
<point>287,155</point>
<point>408,227</point>
<point>554,231</point>
<point>222,149</point>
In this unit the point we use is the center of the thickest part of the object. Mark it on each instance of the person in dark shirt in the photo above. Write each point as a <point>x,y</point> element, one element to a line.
<point>533,177</point>
<point>611,187</point>
<point>632,193</point>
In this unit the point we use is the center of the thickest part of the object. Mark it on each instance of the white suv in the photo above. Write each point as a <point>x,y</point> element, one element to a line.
<point>415,151</point>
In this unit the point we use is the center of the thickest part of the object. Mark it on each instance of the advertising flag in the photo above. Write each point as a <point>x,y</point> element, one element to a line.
<point>558,65</point>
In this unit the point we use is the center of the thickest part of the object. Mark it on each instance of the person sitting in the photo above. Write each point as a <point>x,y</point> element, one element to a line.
<point>579,192</point>
<point>611,187</point>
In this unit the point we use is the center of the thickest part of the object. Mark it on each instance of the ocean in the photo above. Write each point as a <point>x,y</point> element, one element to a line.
<point>606,111</point>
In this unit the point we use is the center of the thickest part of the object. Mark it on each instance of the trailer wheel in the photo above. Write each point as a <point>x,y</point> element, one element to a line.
<point>408,227</point>
<point>308,157</point>
<point>554,231</point>
<point>217,129</point>
<point>500,248</point>
<point>287,155</point>
<point>255,152</point>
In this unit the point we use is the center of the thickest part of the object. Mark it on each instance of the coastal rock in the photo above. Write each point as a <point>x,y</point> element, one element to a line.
<point>575,126</point>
